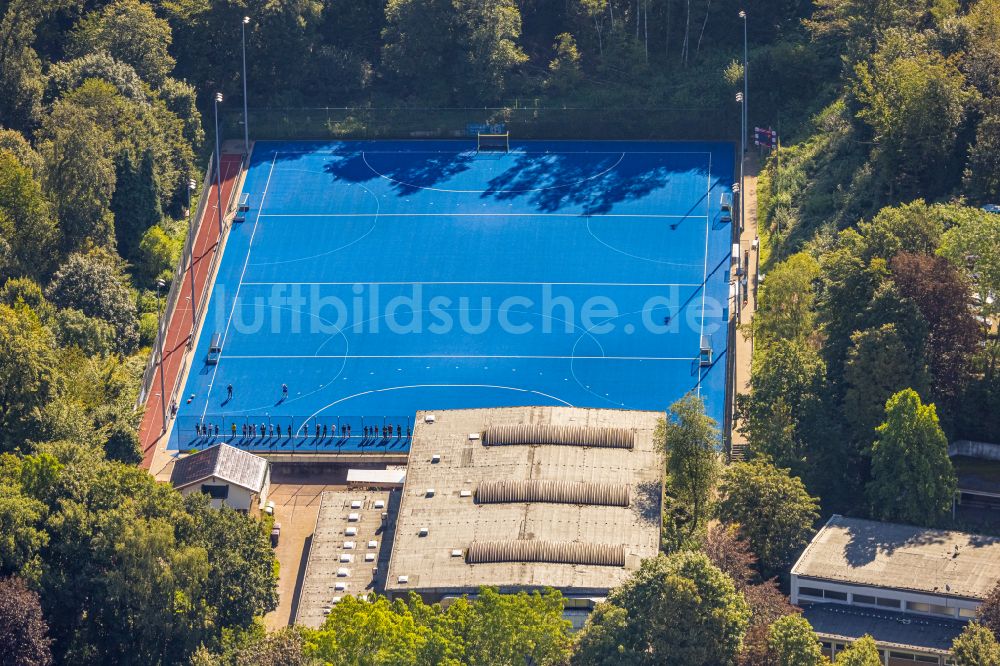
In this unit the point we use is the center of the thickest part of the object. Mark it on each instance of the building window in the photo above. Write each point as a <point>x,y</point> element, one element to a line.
<point>887,603</point>
<point>968,613</point>
<point>836,596</point>
<point>933,609</point>
<point>811,592</point>
<point>863,599</point>
<point>926,659</point>
<point>216,492</point>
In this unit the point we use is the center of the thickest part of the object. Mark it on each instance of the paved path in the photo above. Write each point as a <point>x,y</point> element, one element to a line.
<point>179,327</point>
<point>744,341</point>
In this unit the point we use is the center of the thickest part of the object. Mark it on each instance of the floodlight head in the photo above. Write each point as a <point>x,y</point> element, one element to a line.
<point>246,19</point>
<point>192,184</point>
<point>218,97</point>
<point>743,14</point>
<point>160,284</point>
<point>739,97</point>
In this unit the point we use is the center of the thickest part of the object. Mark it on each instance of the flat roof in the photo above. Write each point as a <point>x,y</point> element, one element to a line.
<point>527,531</point>
<point>891,629</point>
<point>902,557</point>
<point>339,512</point>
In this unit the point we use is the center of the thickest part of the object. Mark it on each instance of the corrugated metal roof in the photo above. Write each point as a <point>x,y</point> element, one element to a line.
<point>558,492</point>
<point>534,434</point>
<point>902,557</point>
<point>224,462</point>
<point>596,554</point>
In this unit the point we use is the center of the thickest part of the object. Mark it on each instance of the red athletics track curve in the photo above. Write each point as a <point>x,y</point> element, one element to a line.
<point>179,327</point>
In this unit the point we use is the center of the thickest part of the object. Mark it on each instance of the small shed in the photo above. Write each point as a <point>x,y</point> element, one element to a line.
<point>230,476</point>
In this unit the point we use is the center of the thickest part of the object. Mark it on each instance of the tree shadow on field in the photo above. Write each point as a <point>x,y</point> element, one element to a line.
<point>408,172</point>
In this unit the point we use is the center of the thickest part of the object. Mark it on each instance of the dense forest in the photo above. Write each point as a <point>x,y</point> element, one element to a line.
<point>872,342</point>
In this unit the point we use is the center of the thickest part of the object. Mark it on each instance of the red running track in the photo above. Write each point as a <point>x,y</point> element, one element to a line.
<point>179,327</point>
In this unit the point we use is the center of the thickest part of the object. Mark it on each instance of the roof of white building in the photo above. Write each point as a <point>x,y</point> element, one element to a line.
<point>902,557</point>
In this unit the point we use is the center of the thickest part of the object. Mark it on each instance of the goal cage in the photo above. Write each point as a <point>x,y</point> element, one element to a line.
<point>493,143</point>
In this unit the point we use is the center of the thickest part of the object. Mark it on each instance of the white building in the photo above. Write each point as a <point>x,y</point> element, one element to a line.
<point>912,589</point>
<point>230,476</point>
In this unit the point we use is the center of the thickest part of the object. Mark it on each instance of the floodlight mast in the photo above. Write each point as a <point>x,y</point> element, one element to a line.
<point>218,164</point>
<point>246,119</point>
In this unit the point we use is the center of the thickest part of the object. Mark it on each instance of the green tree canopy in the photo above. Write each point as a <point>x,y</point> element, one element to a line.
<point>28,233</point>
<point>794,643</point>
<point>912,477</point>
<point>690,439</point>
<point>976,646</point>
<point>129,31</point>
<point>774,512</point>
<point>677,609</point>
<point>28,375</point>
<point>862,652</point>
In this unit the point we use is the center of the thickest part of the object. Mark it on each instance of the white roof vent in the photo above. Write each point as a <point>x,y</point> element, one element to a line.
<point>356,504</point>
<point>430,492</point>
<point>351,531</point>
<point>436,458</point>
<point>403,579</point>
<point>473,435</point>
<point>423,531</point>
<point>346,557</point>
<point>348,545</point>
<point>340,587</point>
<point>336,600</point>
<point>373,544</point>
<point>326,610</point>
<point>429,418</point>
<point>343,572</point>
<point>369,557</point>
<point>379,504</point>
<point>465,493</point>
<point>353,517</point>
<point>457,552</point>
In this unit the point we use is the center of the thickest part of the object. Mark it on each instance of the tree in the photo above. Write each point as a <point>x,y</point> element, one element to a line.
<point>879,364</point>
<point>690,439</point>
<point>913,99</point>
<point>129,31</point>
<point>862,652</point>
<point>726,550</point>
<point>23,632</point>
<point>982,174</point>
<point>793,642</point>
<point>677,609</point>
<point>989,610</point>
<point>564,68</point>
<point>772,509</point>
<point>26,224</point>
<point>95,284</point>
<point>136,203</point>
<point>942,296</point>
<point>22,536</point>
<point>514,629</point>
<point>970,244</point>
<point>976,646</point>
<point>912,477</point>
<point>783,411</point>
<point>80,176</point>
<point>785,306</point>
<point>452,50</point>
<point>28,375</point>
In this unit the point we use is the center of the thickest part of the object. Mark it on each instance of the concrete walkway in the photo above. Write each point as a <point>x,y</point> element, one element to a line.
<point>751,261</point>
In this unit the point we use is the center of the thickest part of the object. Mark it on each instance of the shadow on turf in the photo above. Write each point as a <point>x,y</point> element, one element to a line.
<point>551,182</point>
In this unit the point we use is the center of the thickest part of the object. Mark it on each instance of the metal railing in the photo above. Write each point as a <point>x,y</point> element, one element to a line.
<point>291,434</point>
<point>185,263</point>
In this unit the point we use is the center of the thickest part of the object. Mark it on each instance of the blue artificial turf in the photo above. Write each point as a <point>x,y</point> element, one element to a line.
<point>378,278</point>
